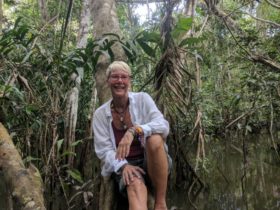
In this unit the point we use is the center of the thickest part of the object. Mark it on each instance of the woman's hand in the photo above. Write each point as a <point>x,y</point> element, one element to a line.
<point>129,172</point>
<point>124,146</point>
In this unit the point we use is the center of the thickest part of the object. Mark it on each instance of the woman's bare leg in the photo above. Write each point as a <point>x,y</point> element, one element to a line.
<point>137,194</point>
<point>157,169</point>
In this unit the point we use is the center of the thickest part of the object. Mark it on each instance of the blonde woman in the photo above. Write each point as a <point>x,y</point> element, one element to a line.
<point>129,138</point>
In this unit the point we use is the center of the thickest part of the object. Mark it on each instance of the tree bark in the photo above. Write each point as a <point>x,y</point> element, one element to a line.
<point>24,184</point>
<point>43,10</point>
<point>71,121</point>
<point>84,25</point>
<point>190,8</point>
<point>73,93</point>
<point>1,15</point>
<point>105,20</point>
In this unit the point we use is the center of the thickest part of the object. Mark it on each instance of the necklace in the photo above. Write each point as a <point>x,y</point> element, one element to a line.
<point>121,115</point>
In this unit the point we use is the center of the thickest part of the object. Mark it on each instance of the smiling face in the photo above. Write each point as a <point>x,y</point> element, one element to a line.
<point>119,83</point>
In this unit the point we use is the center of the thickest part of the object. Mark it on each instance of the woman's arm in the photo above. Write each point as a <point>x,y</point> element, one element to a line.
<point>104,146</point>
<point>154,121</point>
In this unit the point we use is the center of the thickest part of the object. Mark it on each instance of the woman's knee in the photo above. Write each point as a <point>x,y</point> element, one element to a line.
<point>137,187</point>
<point>155,142</point>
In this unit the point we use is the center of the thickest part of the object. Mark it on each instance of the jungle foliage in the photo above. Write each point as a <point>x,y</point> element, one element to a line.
<point>213,73</point>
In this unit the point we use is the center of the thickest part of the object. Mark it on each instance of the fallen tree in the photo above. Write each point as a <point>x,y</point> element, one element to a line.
<point>24,185</point>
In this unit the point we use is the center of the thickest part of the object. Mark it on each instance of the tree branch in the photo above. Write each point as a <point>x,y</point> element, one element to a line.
<point>273,4</point>
<point>139,1</point>
<point>263,20</point>
<point>231,25</point>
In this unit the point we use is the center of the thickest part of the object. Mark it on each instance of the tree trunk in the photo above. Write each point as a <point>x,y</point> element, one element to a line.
<point>73,93</point>
<point>71,121</point>
<point>24,184</point>
<point>84,24</point>
<point>43,10</point>
<point>1,15</point>
<point>105,20</point>
<point>190,8</point>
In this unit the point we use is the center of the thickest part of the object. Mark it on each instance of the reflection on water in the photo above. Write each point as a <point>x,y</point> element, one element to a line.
<point>235,181</point>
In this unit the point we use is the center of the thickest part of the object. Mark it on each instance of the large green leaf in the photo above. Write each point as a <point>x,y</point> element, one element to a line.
<point>147,49</point>
<point>190,41</point>
<point>75,174</point>
<point>151,37</point>
<point>183,25</point>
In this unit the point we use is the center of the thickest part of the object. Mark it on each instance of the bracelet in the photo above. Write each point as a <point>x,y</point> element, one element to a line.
<point>139,130</point>
<point>140,135</point>
<point>132,130</point>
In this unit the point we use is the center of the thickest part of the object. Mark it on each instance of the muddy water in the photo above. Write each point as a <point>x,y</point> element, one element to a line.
<point>236,181</point>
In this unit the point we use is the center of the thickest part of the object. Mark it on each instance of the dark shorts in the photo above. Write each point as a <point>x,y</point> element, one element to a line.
<point>142,163</point>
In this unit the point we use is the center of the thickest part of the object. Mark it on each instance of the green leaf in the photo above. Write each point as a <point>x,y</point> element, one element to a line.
<point>30,158</point>
<point>248,128</point>
<point>59,144</point>
<point>112,34</point>
<point>147,49</point>
<point>68,153</point>
<point>26,56</point>
<point>190,41</point>
<point>75,174</point>
<point>76,143</point>
<point>17,21</point>
<point>152,37</point>
<point>182,26</point>
<point>184,23</point>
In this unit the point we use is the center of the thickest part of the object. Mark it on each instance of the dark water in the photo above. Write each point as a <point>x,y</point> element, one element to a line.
<point>235,182</point>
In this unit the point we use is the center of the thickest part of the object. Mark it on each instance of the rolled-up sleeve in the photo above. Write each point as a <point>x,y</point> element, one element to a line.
<point>144,113</point>
<point>155,121</point>
<point>103,145</point>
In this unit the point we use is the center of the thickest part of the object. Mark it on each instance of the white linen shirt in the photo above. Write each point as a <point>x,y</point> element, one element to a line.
<point>143,112</point>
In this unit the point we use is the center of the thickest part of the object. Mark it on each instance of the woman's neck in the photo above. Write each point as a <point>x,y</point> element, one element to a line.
<point>120,103</point>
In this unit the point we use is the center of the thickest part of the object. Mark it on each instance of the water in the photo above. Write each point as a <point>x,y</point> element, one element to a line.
<point>234,182</point>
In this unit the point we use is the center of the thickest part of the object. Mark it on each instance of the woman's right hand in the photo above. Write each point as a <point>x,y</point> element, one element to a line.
<point>124,146</point>
<point>129,172</point>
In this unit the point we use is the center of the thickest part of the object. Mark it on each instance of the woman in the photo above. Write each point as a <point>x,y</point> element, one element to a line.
<point>129,134</point>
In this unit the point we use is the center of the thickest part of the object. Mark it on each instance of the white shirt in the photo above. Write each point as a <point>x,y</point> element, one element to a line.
<point>143,112</point>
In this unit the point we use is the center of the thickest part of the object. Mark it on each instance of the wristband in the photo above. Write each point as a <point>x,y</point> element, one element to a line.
<point>139,130</point>
<point>140,135</point>
<point>132,130</point>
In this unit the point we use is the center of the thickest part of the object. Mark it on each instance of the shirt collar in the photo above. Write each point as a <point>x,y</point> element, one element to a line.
<point>108,104</point>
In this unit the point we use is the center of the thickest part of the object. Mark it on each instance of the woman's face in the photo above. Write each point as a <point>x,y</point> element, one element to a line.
<point>119,83</point>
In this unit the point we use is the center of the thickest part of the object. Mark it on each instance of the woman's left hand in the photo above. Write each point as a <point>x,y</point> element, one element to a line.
<point>124,146</point>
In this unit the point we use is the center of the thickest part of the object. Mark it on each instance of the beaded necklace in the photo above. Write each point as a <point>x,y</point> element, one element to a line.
<point>121,115</point>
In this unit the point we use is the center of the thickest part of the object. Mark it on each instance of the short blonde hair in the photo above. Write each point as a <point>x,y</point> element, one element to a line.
<point>118,65</point>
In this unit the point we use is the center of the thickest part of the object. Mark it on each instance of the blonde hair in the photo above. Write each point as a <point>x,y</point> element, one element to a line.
<point>118,65</point>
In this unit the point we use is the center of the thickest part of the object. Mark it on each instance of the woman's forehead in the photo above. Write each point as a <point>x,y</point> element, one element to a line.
<point>119,71</point>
